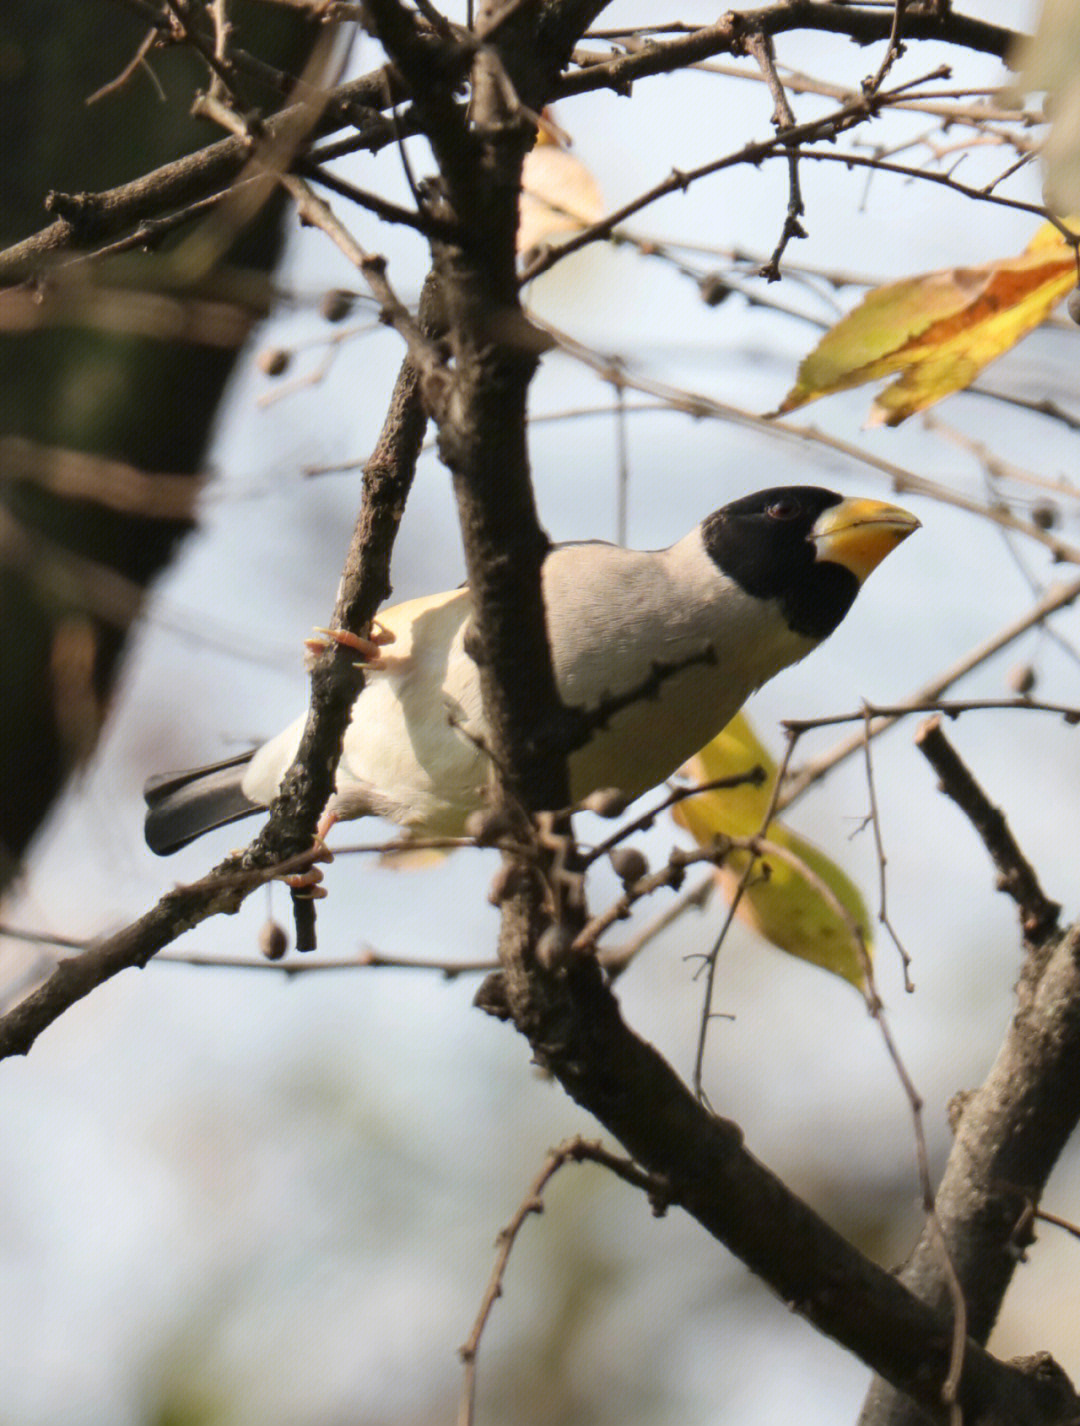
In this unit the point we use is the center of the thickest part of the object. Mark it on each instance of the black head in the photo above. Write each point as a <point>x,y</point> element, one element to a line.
<point>765,543</point>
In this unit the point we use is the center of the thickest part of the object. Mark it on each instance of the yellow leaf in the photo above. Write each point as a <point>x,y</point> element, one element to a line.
<point>939,330</point>
<point>781,904</point>
<point>559,195</point>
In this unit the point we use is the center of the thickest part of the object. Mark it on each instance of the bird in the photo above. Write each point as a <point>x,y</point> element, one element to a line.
<point>661,647</point>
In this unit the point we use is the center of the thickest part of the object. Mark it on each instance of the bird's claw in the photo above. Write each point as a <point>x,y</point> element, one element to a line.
<point>368,649</point>
<point>306,883</point>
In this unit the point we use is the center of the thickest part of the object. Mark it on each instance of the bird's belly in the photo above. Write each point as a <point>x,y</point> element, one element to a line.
<point>648,741</point>
<point>408,760</point>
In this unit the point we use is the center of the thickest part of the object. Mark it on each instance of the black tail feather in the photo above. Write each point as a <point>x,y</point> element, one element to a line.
<point>181,806</point>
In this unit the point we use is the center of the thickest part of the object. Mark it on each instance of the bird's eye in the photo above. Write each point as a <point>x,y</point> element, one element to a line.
<point>783,510</point>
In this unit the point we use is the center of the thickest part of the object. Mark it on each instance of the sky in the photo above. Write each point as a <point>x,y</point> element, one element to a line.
<point>245,1197</point>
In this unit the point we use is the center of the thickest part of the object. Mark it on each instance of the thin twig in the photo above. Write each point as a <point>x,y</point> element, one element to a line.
<point>367,959</point>
<point>876,1008</point>
<point>879,845</point>
<point>1073,1229</point>
<point>615,959</point>
<point>678,181</point>
<point>950,708</point>
<point>945,180</point>
<point>752,777</point>
<point>44,938</point>
<point>894,49</point>
<point>726,34</point>
<point>223,76</point>
<point>576,1150</point>
<point>927,698</point>
<point>713,957</point>
<point>671,874</point>
<point>425,352</point>
<point>901,477</point>
<point>1016,876</point>
<point>421,222</point>
<point>761,47</point>
<point>137,60</point>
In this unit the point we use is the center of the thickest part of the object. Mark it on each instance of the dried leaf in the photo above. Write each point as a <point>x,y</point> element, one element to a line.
<point>781,904</point>
<point>939,330</point>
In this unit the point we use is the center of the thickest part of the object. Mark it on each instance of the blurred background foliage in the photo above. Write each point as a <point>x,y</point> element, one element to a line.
<point>137,387</point>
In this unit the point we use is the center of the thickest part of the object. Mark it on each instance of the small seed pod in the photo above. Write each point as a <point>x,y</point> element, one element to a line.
<point>553,948</point>
<point>488,827</point>
<point>272,361</point>
<point>273,942</point>
<point>714,289</point>
<point>1044,516</point>
<point>1021,679</point>
<point>606,802</point>
<point>336,304</point>
<point>629,864</point>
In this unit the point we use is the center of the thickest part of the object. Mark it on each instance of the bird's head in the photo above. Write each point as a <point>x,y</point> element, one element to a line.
<point>807,548</point>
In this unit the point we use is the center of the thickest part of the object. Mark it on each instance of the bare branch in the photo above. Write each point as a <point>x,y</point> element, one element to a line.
<point>893,51</point>
<point>927,698</point>
<point>752,777</point>
<point>829,126</point>
<point>365,584</point>
<point>615,959</point>
<point>367,959</point>
<point>879,847</point>
<point>137,60</point>
<point>713,956</point>
<point>426,353</point>
<point>1016,876</point>
<point>1009,1134</point>
<point>760,46</point>
<point>97,217</point>
<point>945,180</point>
<point>73,978</point>
<point>578,1033</point>
<point>726,36</point>
<point>574,1151</point>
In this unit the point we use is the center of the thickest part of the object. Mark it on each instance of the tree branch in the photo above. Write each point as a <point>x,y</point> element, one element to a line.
<point>827,127</point>
<point>96,217</point>
<point>1038,914</point>
<point>726,36</point>
<point>365,583</point>
<point>576,1031</point>
<point>1009,1135</point>
<point>221,892</point>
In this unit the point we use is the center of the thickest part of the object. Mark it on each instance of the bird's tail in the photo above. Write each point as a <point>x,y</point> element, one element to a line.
<point>181,806</point>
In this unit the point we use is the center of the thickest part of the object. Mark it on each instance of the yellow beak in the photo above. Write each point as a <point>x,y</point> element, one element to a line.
<point>858,534</point>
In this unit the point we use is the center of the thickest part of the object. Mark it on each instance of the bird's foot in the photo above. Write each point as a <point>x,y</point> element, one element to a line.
<point>368,648</point>
<point>306,883</point>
